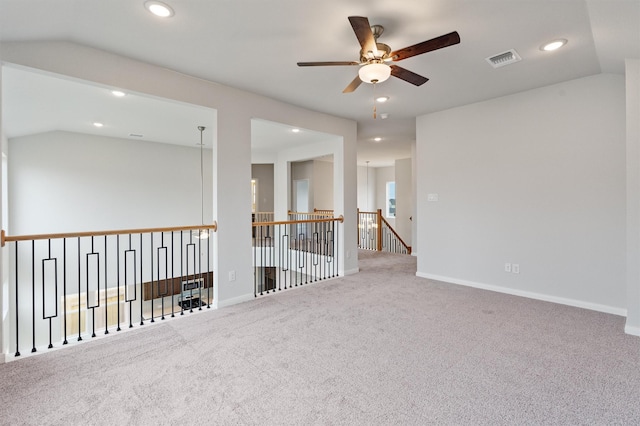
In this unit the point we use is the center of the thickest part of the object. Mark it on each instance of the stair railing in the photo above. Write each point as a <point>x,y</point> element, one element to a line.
<point>294,252</point>
<point>375,233</point>
<point>68,286</point>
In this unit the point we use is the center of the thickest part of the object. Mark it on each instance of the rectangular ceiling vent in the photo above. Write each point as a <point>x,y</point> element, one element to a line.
<point>504,58</point>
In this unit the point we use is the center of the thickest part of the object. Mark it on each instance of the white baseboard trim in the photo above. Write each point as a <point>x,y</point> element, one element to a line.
<point>529,294</point>
<point>351,271</point>
<point>632,330</point>
<point>233,301</point>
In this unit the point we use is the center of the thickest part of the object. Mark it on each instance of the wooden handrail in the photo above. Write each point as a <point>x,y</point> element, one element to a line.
<point>9,238</point>
<point>293,222</point>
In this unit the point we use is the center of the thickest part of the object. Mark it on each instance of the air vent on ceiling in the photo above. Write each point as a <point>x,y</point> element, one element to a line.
<point>135,135</point>
<point>504,58</point>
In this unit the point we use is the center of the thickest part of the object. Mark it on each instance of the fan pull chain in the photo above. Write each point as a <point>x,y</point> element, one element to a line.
<point>374,98</point>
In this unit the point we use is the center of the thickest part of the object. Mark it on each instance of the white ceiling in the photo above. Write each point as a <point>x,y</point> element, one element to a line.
<point>255,44</point>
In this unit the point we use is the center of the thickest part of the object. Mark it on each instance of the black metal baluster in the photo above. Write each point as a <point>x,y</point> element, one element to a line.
<point>182,248</point>
<point>89,306</point>
<point>326,251</point>
<point>315,251</point>
<point>288,254</point>
<point>106,289</point>
<point>255,262</point>
<point>330,248</point>
<point>336,270</point>
<point>209,274</point>
<point>141,281</point>
<point>126,281</point>
<point>282,254</point>
<point>79,293</point>
<point>17,304</point>
<point>118,279</point>
<point>193,276</point>
<point>320,250</point>
<point>166,274</point>
<point>272,259</point>
<point>64,289</point>
<point>199,269</point>
<point>265,232</point>
<point>44,293</point>
<point>151,270</point>
<point>172,279</point>
<point>266,265</point>
<point>33,295</point>
<point>261,275</point>
<point>296,243</point>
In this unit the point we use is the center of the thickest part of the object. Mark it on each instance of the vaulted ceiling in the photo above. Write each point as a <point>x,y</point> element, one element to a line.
<point>255,45</point>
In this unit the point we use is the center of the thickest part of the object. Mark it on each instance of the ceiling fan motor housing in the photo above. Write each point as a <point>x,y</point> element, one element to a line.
<point>383,53</point>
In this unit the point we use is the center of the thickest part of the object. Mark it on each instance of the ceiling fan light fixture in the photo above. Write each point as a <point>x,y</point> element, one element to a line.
<point>374,73</point>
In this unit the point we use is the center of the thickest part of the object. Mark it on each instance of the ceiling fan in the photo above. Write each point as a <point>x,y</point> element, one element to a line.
<point>374,56</point>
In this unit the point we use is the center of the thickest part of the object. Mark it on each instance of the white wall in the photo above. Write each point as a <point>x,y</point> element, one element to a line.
<point>537,179</point>
<point>71,182</point>
<point>231,144</point>
<point>633,196</point>
<point>302,170</point>
<point>322,185</point>
<point>366,189</point>
<point>4,257</point>
<point>404,199</point>
<point>414,197</point>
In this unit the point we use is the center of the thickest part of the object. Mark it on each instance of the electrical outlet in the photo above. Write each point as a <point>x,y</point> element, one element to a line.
<point>507,267</point>
<point>515,268</point>
<point>232,275</point>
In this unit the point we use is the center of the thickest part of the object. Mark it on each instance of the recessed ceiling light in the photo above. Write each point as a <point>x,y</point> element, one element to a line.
<point>553,45</point>
<point>378,139</point>
<point>118,93</point>
<point>382,99</point>
<point>295,130</point>
<point>159,9</point>
<point>98,124</point>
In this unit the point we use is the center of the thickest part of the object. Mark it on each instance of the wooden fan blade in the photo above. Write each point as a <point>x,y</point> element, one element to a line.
<point>363,32</point>
<point>330,63</point>
<point>426,46</point>
<point>408,76</point>
<point>353,85</point>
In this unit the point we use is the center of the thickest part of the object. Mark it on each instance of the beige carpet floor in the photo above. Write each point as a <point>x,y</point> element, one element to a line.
<point>381,347</point>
